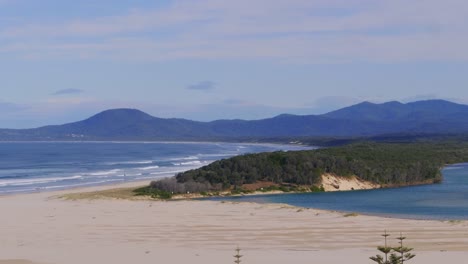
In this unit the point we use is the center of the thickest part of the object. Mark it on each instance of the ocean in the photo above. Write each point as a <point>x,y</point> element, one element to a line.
<point>445,201</point>
<point>45,166</point>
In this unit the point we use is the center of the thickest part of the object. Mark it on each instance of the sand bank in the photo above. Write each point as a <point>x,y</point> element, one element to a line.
<point>335,183</point>
<point>36,228</point>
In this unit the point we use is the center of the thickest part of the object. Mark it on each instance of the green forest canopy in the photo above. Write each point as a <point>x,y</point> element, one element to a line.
<point>386,164</point>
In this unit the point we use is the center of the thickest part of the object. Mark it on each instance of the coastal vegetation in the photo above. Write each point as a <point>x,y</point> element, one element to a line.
<point>381,163</point>
<point>390,255</point>
<point>237,256</point>
<point>393,255</point>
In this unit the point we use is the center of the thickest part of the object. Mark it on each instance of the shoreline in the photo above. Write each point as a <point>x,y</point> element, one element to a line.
<point>120,191</point>
<point>62,195</point>
<point>111,191</point>
<point>99,192</point>
<point>102,187</point>
<point>92,184</point>
<point>165,142</point>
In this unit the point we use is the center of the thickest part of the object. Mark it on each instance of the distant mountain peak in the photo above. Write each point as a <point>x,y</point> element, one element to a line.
<point>365,103</point>
<point>284,115</point>
<point>394,110</point>
<point>122,113</point>
<point>368,103</point>
<point>394,103</point>
<point>363,119</point>
<point>434,102</point>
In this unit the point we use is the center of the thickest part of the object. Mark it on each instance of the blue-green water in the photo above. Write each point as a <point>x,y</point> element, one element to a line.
<point>445,201</point>
<point>43,166</point>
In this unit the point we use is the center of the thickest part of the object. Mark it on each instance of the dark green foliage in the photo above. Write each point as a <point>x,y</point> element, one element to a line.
<point>386,250</point>
<point>171,185</point>
<point>314,188</point>
<point>154,193</point>
<point>404,252</point>
<point>393,255</point>
<point>238,256</point>
<point>386,164</point>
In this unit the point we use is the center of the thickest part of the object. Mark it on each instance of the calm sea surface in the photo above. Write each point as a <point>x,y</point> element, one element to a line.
<point>445,201</point>
<point>32,167</point>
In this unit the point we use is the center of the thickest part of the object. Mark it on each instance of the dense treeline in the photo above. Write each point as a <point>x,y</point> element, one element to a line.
<point>398,138</point>
<point>386,164</point>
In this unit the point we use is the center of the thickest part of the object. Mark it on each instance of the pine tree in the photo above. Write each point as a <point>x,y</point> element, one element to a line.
<point>385,250</point>
<point>393,255</point>
<point>238,256</point>
<point>389,257</point>
<point>405,252</point>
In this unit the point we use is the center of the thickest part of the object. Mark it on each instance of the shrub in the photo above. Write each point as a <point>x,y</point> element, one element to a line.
<point>154,193</point>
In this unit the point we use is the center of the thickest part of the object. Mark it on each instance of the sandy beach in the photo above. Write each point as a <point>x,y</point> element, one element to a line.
<point>41,228</point>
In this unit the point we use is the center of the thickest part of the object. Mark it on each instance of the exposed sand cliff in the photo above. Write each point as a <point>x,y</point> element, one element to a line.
<point>332,183</point>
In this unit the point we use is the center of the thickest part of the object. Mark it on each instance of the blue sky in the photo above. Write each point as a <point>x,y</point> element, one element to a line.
<point>63,61</point>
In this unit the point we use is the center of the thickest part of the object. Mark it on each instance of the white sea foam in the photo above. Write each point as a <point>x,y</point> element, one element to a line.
<point>103,173</point>
<point>454,168</point>
<point>37,176</point>
<point>193,164</point>
<point>182,158</point>
<point>140,162</point>
<point>166,172</point>
<point>151,177</point>
<point>149,168</point>
<point>188,163</point>
<point>135,162</point>
<point>190,158</point>
<point>218,155</point>
<point>21,182</point>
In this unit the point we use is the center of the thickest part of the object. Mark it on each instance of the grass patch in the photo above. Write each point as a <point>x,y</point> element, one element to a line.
<point>239,190</point>
<point>117,193</point>
<point>314,188</point>
<point>454,222</point>
<point>351,215</point>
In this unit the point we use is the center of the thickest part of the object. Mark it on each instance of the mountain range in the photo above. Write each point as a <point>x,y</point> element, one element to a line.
<point>364,119</point>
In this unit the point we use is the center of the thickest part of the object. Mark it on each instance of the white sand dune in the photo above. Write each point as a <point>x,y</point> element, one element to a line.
<point>35,228</point>
<point>332,183</point>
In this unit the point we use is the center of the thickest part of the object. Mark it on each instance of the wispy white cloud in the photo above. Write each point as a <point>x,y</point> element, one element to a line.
<point>202,86</point>
<point>68,91</point>
<point>306,31</point>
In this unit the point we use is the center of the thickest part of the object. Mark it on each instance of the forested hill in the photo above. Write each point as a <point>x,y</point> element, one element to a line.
<point>364,119</point>
<point>385,164</point>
